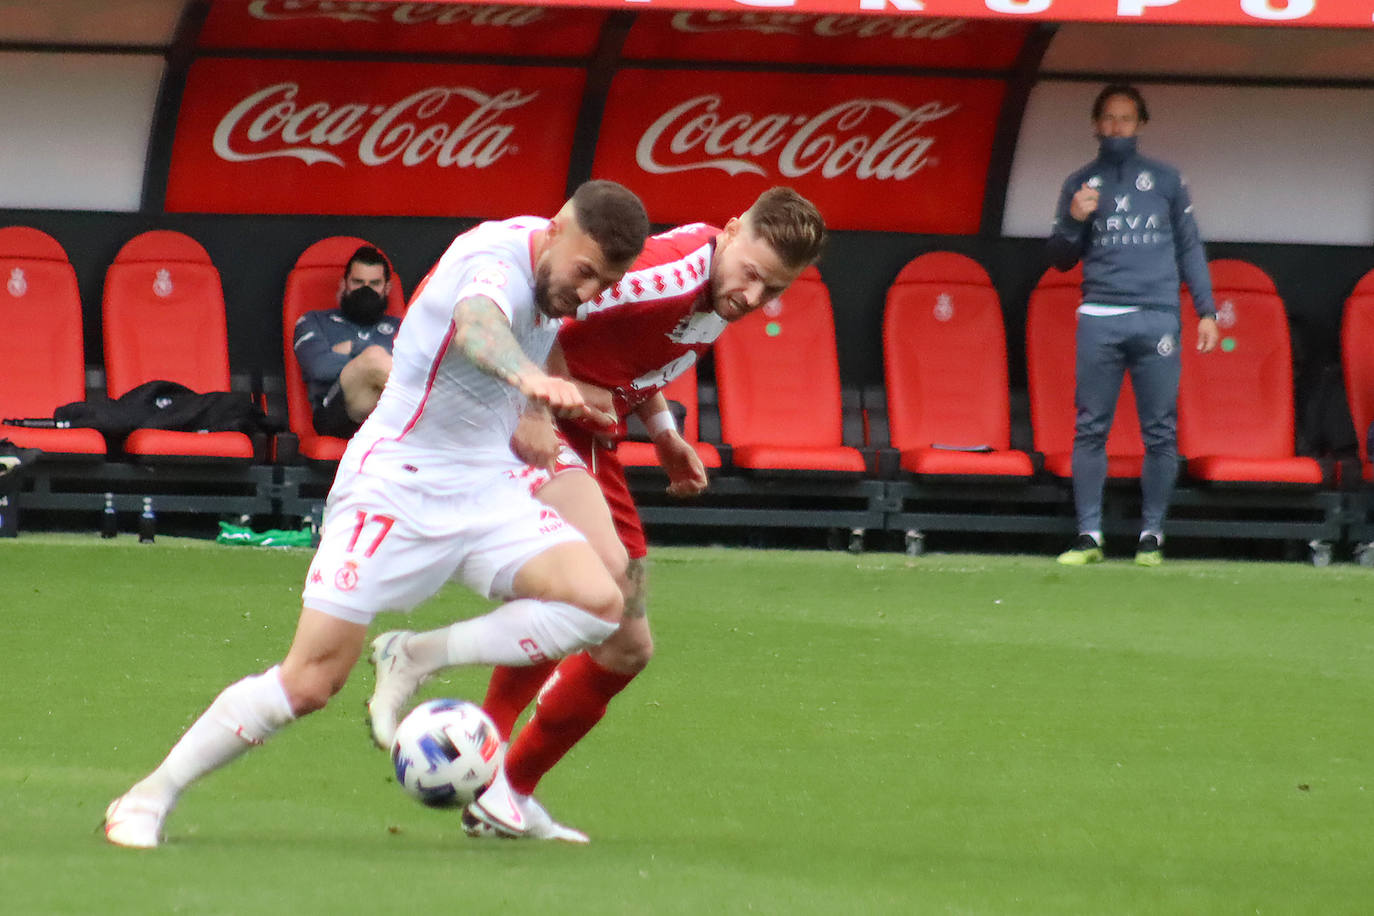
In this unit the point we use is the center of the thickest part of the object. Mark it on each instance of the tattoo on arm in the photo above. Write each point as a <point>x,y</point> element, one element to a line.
<point>483,333</point>
<point>636,599</point>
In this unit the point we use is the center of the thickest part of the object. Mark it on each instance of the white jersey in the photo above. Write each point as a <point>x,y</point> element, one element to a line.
<point>440,416</point>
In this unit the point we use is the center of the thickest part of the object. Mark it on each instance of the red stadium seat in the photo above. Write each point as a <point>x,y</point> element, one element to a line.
<point>683,390</point>
<point>42,361</point>
<point>314,284</point>
<point>778,380</point>
<point>1235,404</point>
<point>1357,363</point>
<point>164,319</point>
<point>945,361</point>
<point>1051,321</point>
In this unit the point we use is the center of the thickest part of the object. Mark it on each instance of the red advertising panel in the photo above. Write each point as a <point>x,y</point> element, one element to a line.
<point>885,153</point>
<point>413,28</point>
<point>842,40</point>
<point>291,136</point>
<point>1337,13</point>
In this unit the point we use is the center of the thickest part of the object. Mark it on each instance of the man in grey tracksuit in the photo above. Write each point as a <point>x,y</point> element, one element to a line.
<point>345,352</point>
<point>1131,222</point>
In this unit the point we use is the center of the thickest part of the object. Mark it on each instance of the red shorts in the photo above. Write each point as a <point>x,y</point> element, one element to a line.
<point>610,476</point>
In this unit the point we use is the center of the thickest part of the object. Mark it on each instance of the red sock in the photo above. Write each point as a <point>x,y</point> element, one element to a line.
<point>511,690</point>
<point>574,701</point>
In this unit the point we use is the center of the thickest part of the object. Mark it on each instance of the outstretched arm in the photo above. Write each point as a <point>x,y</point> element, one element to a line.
<point>482,332</point>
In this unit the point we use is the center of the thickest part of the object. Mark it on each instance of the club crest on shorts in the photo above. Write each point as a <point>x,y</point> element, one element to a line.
<point>1166,345</point>
<point>17,284</point>
<point>346,579</point>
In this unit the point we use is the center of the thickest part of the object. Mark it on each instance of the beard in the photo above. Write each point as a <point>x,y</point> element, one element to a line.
<point>544,298</point>
<point>543,278</point>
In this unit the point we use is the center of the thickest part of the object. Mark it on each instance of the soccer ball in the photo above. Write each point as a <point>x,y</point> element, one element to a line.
<point>446,752</point>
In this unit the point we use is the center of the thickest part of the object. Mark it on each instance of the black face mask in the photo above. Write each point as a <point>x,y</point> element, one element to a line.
<point>1116,149</point>
<point>363,305</point>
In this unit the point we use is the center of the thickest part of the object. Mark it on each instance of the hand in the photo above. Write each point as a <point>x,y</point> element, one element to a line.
<point>1084,203</point>
<point>344,347</point>
<point>1208,335</point>
<point>535,440</point>
<point>596,397</point>
<point>686,473</point>
<point>561,396</point>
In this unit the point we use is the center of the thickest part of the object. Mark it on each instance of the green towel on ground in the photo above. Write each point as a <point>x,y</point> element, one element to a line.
<point>272,537</point>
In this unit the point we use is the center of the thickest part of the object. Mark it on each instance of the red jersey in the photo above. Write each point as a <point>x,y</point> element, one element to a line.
<point>652,326</point>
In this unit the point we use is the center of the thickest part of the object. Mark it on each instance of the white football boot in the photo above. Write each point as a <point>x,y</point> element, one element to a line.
<point>134,822</point>
<point>504,813</point>
<point>397,681</point>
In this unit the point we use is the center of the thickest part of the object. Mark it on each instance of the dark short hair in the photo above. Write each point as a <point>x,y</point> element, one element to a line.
<point>1130,92</point>
<point>613,216</point>
<point>371,257</point>
<point>790,224</point>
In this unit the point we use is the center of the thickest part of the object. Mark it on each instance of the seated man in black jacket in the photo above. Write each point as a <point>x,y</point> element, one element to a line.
<point>345,352</point>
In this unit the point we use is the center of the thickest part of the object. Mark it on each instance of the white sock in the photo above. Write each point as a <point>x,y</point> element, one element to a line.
<point>1096,536</point>
<point>522,632</point>
<point>1159,536</point>
<point>245,714</point>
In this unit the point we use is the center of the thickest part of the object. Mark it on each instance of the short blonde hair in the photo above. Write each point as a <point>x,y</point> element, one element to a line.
<point>790,224</point>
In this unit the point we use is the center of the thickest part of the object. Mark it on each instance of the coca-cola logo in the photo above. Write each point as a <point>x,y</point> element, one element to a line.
<point>271,123</point>
<point>831,26</point>
<point>401,13</point>
<point>848,136</point>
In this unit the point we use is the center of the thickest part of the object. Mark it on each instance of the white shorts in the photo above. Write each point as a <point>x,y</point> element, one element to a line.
<point>388,547</point>
<point>565,460</point>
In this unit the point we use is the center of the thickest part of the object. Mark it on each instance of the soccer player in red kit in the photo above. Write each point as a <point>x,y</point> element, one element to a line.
<point>668,309</point>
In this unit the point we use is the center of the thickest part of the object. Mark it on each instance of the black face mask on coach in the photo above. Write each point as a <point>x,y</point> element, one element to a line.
<point>363,305</point>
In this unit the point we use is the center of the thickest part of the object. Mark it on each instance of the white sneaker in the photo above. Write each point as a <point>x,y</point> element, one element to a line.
<point>397,682</point>
<point>504,813</point>
<point>134,822</point>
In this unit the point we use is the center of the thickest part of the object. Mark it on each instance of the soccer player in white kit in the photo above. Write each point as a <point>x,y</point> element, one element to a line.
<point>429,490</point>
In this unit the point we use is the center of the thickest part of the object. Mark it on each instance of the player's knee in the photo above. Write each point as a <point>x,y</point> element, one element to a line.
<point>375,357</point>
<point>604,600</point>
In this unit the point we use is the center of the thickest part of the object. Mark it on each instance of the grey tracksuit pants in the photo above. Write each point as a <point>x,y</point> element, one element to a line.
<point>1144,343</point>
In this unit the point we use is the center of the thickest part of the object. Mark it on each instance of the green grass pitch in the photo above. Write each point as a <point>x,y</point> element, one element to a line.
<point>820,733</point>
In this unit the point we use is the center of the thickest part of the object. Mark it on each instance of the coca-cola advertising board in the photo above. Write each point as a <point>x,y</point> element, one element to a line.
<point>835,39</point>
<point>406,28</point>
<point>290,136</point>
<point>894,154</point>
<point>1329,13</point>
